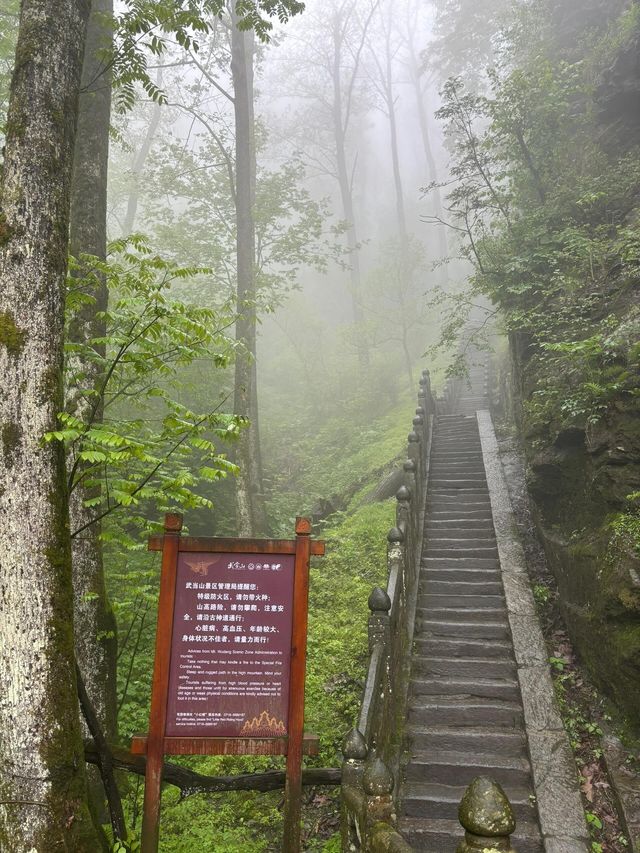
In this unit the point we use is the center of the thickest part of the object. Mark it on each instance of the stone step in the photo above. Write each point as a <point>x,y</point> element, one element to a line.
<point>434,801</point>
<point>459,514</point>
<point>449,551</point>
<point>465,688</point>
<point>437,600</point>
<point>473,452</point>
<point>441,492</point>
<point>463,647</point>
<point>479,544</point>
<point>477,740</point>
<point>450,499</point>
<point>442,586</point>
<point>434,532</point>
<point>451,509</point>
<point>460,768</point>
<point>463,613</point>
<point>495,630</point>
<point>459,667</point>
<point>456,447</point>
<point>449,484</point>
<point>446,469</point>
<point>462,457</point>
<point>444,836</point>
<point>429,562</point>
<point>475,577</point>
<point>461,524</point>
<point>475,711</point>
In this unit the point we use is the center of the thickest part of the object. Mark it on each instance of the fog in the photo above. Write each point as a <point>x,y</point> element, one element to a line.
<point>344,260</point>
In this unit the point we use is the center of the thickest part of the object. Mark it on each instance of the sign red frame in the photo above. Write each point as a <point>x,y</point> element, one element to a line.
<point>294,743</point>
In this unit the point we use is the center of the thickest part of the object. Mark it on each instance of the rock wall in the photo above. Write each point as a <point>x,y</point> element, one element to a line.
<point>579,480</point>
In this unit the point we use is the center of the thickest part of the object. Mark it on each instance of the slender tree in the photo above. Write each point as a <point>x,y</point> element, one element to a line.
<point>328,74</point>
<point>43,798</point>
<point>95,627</point>
<point>250,511</point>
<point>94,624</point>
<point>418,81</point>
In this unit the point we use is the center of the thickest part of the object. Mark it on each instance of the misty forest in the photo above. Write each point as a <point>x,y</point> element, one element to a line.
<point>371,263</point>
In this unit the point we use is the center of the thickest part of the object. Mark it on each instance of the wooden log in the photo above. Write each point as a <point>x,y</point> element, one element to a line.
<point>190,782</point>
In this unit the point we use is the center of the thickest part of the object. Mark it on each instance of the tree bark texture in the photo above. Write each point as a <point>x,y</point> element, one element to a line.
<point>43,798</point>
<point>250,507</point>
<point>94,623</point>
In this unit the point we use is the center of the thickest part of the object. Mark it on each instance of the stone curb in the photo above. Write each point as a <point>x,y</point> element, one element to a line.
<point>562,820</point>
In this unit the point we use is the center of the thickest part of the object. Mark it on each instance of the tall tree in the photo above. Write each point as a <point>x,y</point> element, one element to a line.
<point>250,508</point>
<point>43,799</point>
<point>94,624</point>
<point>418,79</point>
<point>328,75</point>
<point>95,630</point>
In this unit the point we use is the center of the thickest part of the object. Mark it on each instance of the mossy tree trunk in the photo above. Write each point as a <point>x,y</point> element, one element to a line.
<point>43,797</point>
<point>94,623</point>
<point>250,506</point>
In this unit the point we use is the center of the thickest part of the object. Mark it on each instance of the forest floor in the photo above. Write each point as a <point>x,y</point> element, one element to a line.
<point>586,713</point>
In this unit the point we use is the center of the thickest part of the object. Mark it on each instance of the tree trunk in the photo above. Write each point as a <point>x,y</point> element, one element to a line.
<point>393,140</point>
<point>94,622</point>
<point>441,229</point>
<point>250,507</point>
<point>346,194</point>
<point>42,779</point>
<point>137,166</point>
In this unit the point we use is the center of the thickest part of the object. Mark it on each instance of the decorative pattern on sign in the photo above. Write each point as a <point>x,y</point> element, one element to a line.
<point>200,567</point>
<point>264,724</point>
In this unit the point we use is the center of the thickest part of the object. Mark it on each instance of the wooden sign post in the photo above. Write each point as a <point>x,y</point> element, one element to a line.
<point>230,659</point>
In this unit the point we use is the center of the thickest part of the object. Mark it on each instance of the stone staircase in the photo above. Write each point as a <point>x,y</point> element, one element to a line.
<point>465,715</point>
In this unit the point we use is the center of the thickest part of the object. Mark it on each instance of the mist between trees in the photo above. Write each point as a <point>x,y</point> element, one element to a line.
<point>231,236</point>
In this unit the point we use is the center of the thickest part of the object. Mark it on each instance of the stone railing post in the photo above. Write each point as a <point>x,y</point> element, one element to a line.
<point>379,629</point>
<point>404,520</point>
<point>396,550</point>
<point>487,818</point>
<point>414,452</point>
<point>425,382</point>
<point>377,781</point>
<point>413,484</point>
<point>354,751</point>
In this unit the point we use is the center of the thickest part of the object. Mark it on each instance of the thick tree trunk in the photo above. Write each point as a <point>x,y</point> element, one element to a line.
<point>94,622</point>
<point>43,799</point>
<point>250,507</point>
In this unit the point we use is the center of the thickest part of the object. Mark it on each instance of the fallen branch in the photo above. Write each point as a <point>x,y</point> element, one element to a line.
<point>190,782</point>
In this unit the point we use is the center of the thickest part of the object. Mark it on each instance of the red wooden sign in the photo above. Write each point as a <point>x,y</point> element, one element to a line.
<point>230,659</point>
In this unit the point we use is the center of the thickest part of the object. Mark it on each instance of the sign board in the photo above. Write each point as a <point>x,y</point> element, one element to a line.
<point>230,659</point>
<point>231,646</point>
